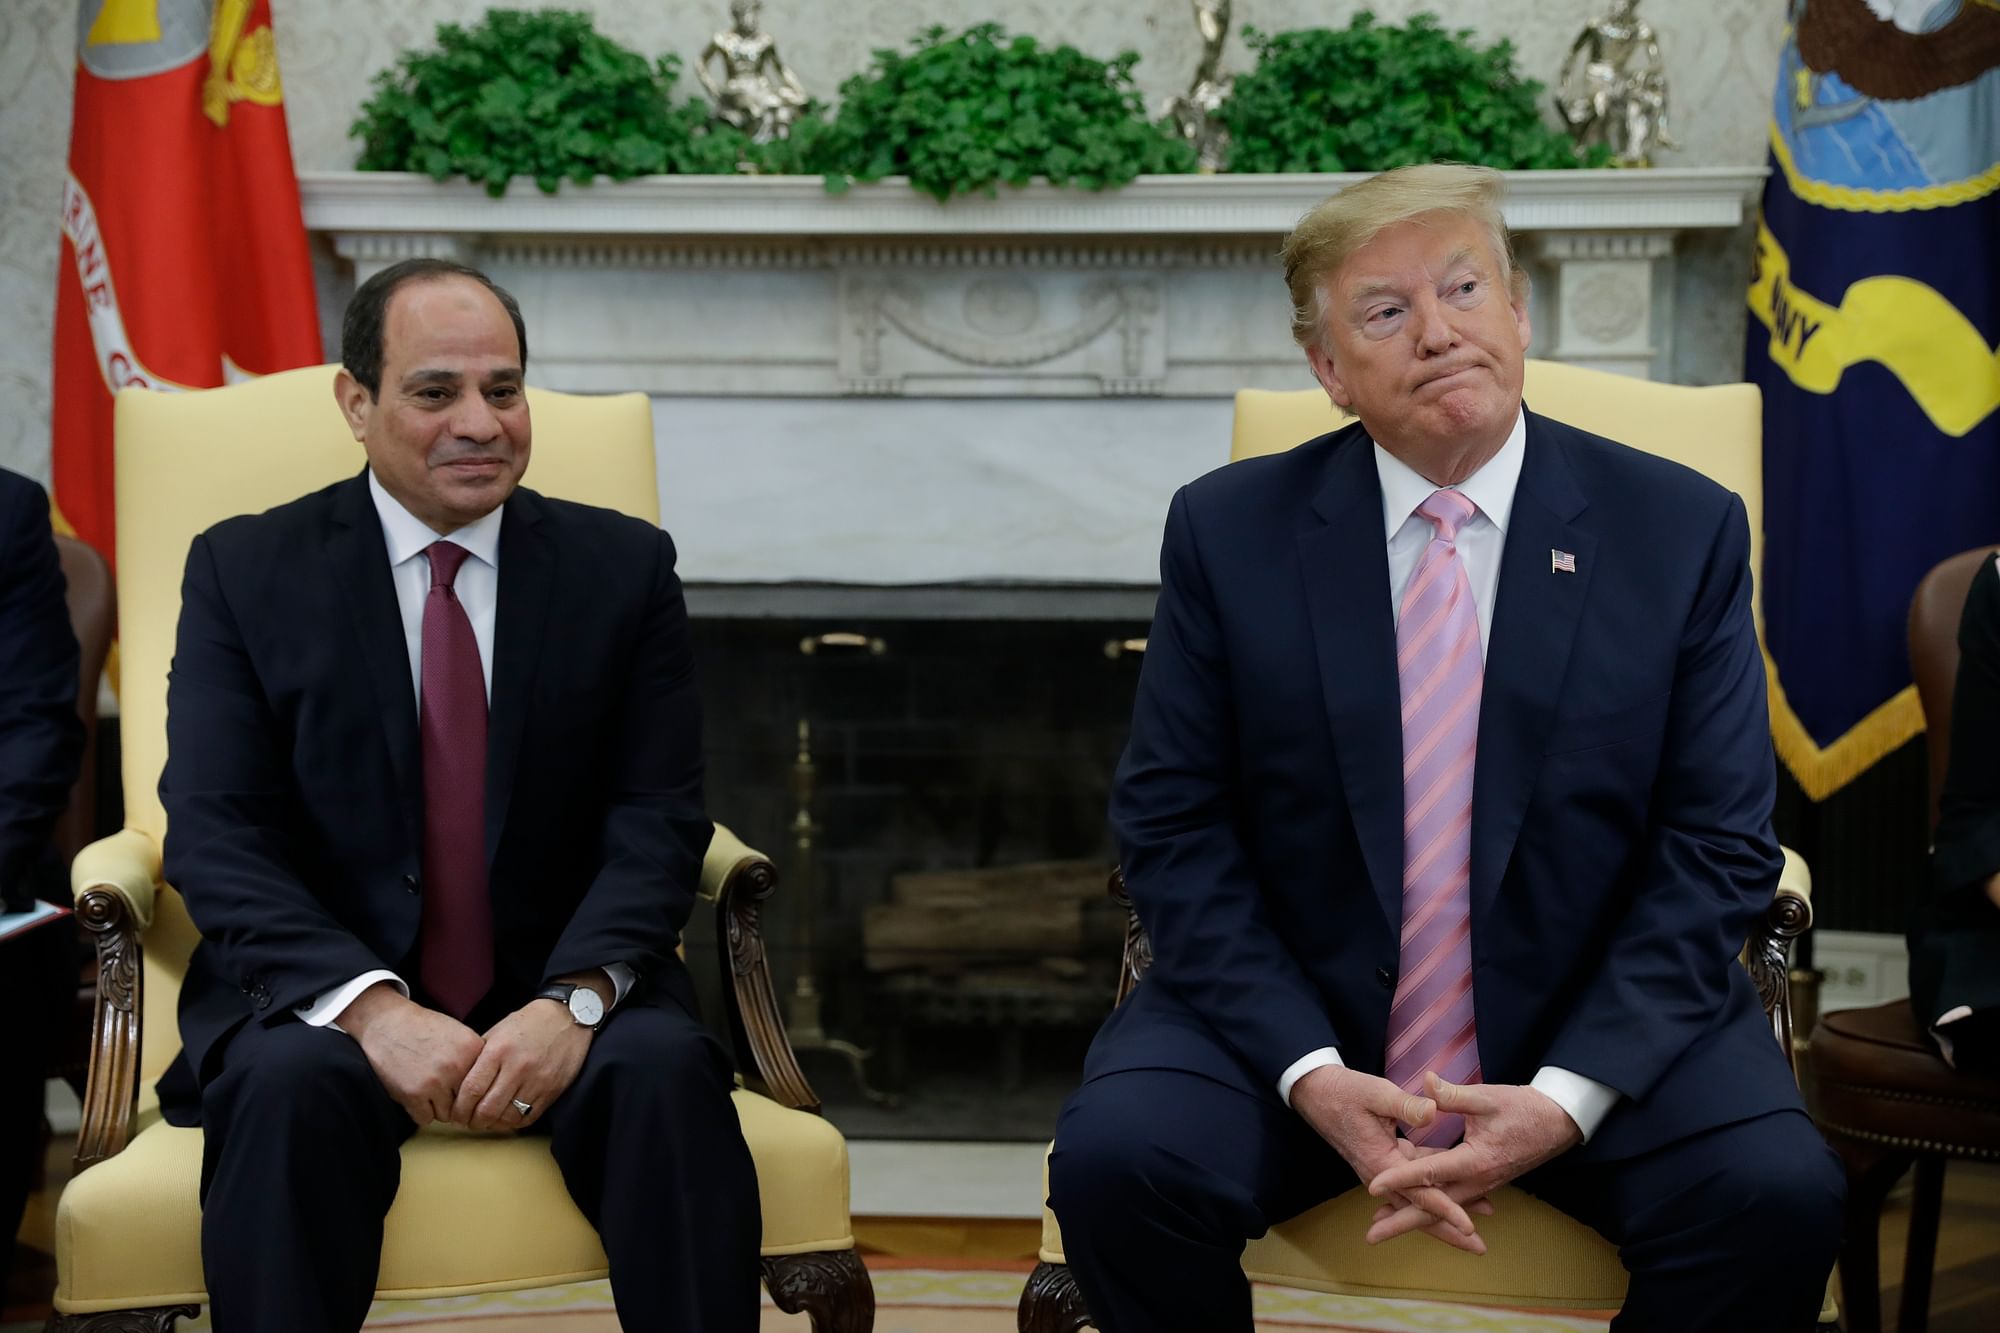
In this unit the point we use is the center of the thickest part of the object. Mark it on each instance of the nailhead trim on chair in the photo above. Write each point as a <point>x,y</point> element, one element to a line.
<point>1921,1098</point>
<point>1916,1145</point>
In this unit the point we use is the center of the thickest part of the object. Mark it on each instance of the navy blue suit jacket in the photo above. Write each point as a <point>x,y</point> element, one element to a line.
<point>294,781</point>
<point>1621,840</point>
<point>41,737</point>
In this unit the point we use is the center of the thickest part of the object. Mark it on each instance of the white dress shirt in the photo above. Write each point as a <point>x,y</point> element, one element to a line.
<point>477,588</point>
<point>1479,543</point>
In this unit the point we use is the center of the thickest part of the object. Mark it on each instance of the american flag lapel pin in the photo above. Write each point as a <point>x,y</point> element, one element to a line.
<point>1561,562</point>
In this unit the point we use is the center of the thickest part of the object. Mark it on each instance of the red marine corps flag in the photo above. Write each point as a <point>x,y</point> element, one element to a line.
<point>184,262</point>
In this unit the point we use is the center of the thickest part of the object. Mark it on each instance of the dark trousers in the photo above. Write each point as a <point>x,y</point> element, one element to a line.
<point>38,973</point>
<point>1159,1177</point>
<point>300,1164</point>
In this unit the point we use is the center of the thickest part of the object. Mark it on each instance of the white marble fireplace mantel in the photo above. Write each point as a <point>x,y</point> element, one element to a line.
<point>1662,199</point>
<point>829,343</point>
<point>1141,267</point>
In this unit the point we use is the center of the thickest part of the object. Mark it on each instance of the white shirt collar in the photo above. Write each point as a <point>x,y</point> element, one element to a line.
<point>1491,488</point>
<point>407,535</point>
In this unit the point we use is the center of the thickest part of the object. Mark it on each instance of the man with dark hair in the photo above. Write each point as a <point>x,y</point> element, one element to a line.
<point>41,745</point>
<point>440,869</point>
<point>368,312</point>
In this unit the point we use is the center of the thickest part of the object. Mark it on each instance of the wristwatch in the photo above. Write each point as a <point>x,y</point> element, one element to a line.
<point>583,1003</point>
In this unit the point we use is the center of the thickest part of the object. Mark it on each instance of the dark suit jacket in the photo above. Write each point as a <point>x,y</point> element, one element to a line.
<point>1955,932</point>
<point>1621,842</point>
<point>41,737</point>
<point>294,788</point>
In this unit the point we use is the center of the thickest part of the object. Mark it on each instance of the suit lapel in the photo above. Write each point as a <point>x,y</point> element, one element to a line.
<point>1535,614</point>
<point>1344,561</point>
<point>527,578</point>
<point>357,554</point>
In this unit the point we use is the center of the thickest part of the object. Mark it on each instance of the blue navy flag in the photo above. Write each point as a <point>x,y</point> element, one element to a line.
<point>1875,309</point>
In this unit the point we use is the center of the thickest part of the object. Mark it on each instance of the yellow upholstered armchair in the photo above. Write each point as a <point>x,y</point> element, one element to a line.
<point>128,1227</point>
<point>1536,1256</point>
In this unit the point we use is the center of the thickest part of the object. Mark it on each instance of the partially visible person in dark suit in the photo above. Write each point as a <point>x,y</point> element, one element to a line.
<point>41,745</point>
<point>433,792</point>
<point>1955,929</point>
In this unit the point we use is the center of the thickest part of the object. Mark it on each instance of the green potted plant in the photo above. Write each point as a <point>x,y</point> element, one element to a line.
<point>966,112</point>
<point>1372,96</point>
<point>539,94</point>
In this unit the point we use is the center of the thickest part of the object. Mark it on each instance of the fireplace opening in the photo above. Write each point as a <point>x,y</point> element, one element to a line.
<point>932,790</point>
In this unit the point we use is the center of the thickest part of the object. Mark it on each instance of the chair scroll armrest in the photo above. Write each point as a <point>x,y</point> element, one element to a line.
<point>128,864</point>
<point>1138,947</point>
<point>1795,880</point>
<point>115,880</point>
<point>1767,954</point>
<point>737,879</point>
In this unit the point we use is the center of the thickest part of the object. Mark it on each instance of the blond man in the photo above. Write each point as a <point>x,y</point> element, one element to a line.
<point>1448,806</point>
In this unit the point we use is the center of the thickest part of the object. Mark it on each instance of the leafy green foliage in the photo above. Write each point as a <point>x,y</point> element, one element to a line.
<point>1372,96</point>
<point>543,94</point>
<point>539,94</point>
<point>966,112</point>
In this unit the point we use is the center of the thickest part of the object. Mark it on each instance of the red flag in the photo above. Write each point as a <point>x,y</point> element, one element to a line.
<point>184,259</point>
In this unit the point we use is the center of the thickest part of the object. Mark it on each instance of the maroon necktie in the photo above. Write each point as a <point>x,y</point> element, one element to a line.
<point>456,941</point>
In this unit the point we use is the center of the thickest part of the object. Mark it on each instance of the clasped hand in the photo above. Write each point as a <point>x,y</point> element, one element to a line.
<point>1509,1130</point>
<point>437,1068</point>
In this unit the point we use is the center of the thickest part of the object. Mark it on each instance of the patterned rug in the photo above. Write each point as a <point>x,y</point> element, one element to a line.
<point>968,1298</point>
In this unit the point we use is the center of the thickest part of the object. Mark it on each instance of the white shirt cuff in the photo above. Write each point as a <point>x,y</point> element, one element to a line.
<point>1584,1100</point>
<point>1943,1038</point>
<point>1304,1065</point>
<point>330,1005</point>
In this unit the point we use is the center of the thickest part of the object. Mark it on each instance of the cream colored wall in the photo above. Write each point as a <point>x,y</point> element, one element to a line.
<point>1721,55</point>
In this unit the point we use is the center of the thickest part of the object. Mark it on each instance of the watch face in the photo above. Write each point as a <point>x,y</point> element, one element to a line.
<point>585,1007</point>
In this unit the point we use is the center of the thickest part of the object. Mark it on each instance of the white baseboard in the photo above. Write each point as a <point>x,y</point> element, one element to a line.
<point>1860,968</point>
<point>906,1178</point>
<point>65,1113</point>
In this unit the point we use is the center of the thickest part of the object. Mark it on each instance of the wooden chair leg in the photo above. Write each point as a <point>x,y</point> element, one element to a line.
<point>832,1287</point>
<point>1871,1173</point>
<point>1051,1302</point>
<point>1921,1257</point>
<point>161,1319</point>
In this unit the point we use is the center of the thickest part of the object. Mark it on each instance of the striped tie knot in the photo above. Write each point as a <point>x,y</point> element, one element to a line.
<point>1447,511</point>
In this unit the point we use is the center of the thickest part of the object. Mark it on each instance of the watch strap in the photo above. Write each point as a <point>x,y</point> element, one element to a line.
<point>562,992</point>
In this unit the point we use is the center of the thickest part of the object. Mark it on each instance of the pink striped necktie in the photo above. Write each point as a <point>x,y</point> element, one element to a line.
<point>1439,663</point>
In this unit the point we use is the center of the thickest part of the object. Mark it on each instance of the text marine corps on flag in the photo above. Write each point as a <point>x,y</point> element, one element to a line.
<point>178,156</point>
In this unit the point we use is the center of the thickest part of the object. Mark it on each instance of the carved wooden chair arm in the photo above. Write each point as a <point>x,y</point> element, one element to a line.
<point>1138,947</point>
<point>1767,954</point>
<point>127,864</point>
<point>115,880</point>
<point>737,879</point>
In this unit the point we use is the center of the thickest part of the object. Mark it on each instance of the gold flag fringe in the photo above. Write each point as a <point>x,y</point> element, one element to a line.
<point>1820,772</point>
